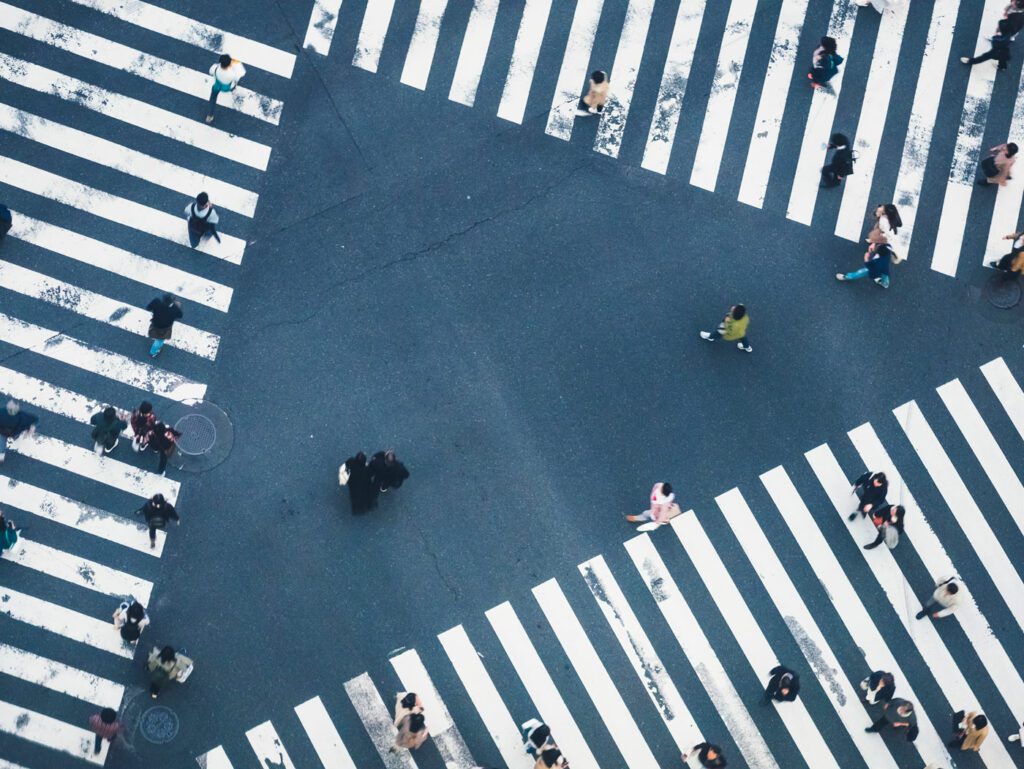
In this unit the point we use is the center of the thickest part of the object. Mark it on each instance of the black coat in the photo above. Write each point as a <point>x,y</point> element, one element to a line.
<point>387,476</point>
<point>158,516</point>
<point>783,678</point>
<point>164,314</point>
<point>870,494</point>
<point>362,491</point>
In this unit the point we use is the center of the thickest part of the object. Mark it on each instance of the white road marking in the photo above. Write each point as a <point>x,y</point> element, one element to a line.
<point>377,721</point>
<point>420,54</point>
<point>473,53</point>
<point>376,19</point>
<point>322,22</point>
<point>573,75</point>
<point>80,571</point>
<point>1006,214</point>
<point>71,624</point>
<point>59,677</point>
<point>524,60</point>
<point>322,732</point>
<point>1007,391</point>
<point>50,733</point>
<point>214,759</point>
<point>267,746</point>
<point>51,397</point>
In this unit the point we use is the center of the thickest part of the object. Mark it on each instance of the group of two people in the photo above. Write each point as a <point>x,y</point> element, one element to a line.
<point>148,432</point>
<point>368,479</point>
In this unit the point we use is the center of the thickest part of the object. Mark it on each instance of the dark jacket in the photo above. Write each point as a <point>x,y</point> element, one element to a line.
<point>883,516</point>
<point>717,763</point>
<point>842,160</point>
<point>889,685</point>
<point>13,425</point>
<point>870,494</point>
<point>164,314</point>
<point>157,516</point>
<point>783,678</point>
<point>898,721</point>
<point>362,491</point>
<point>1001,47</point>
<point>164,440</point>
<point>387,476</point>
<point>880,259</point>
<point>826,68</point>
<point>106,431</point>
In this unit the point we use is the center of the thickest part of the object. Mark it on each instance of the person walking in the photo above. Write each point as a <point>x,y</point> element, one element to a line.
<point>997,166</point>
<point>663,506</point>
<point>226,74</point>
<point>165,665</point>
<point>107,426</point>
<point>887,224</point>
<point>143,422</point>
<point>888,519</point>
<point>969,730</point>
<point>157,512</point>
<point>841,164</point>
<point>946,597</point>
<point>387,471</point>
<point>105,726</point>
<point>6,221</point>
<point>824,63</point>
<point>877,260</point>
<point>362,491</point>
<point>409,721</point>
<point>1013,261</point>
<point>899,714</point>
<point>1018,737</point>
<point>551,758</point>
<point>1000,50</point>
<point>164,441</point>
<point>596,97</point>
<point>733,328</point>
<point>202,220</point>
<point>166,309</point>
<point>879,687</point>
<point>704,754</point>
<point>13,423</point>
<point>130,619</point>
<point>783,686</point>
<point>537,737</point>
<point>1014,14</point>
<point>8,534</point>
<point>870,489</point>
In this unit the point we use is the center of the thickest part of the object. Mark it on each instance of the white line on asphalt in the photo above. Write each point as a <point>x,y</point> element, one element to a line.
<point>82,517</point>
<point>516,91</point>
<point>718,114</point>
<point>420,54</point>
<point>775,90</point>
<point>59,677</point>
<point>1007,391</point>
<point>376,19</point>
<point>674,79</point>
<point>125,159</point>
<point>120,262</point>
<point>203,36</point>
<point>101,308</point>
<point>1006,214</point>
<point>748,634</point>
<point>473,53</point>
<point>66,349</point>
<point>214,759</point>
<point>539,686</point>
<point>267,746</point>
<point>50,733</point>
<point>642,655</point>
<point>322,22</point>
<point>443,731</point>
<point>377,721</point>
<point>80,571</point>
<point>623,75</point>
<point>116,209</point>
<point>572,77</point>
<point>84,462</point>
<point>135,112</point>
<point>964,166</point>
<point>485,698</point>
<point>323,734</point>
<point>71,624</point>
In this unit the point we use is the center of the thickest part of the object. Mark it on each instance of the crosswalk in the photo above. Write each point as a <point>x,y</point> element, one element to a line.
<point>772,575</point>
<point>749,126</point>
<point>103,144</point>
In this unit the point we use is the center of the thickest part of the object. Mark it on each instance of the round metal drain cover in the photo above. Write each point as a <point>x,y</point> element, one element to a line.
<point>159,724</point>
<point>198,434</point>
<point>1004,292</point>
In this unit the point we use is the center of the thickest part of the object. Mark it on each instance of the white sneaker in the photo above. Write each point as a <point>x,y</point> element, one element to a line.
<point>707,335</point>
<point>840,276</point>
<point>965,60</point>
<point>748,348</point>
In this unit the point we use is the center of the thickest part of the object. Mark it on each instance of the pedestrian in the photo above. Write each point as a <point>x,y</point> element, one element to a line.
<point>969,730</point>
<point>409,721</point>
<point>202,220</point>
<point>1013,261</point>
<point>888,519</point>
<point>164,441</point>
<point>704,754</point>
<point>879,687</point>
<point>362,491</point>
<point>783,686</point>
<point>997,166</point>
<point>1014,13</point>
<point>387,471</point>
<point>597,95</point>
<point>1018,737</point>
<point>8,534</point>
<point>537,737</point>
<point>899,714</point>
<point>226,74</point>
<point>887,224</point>
<point>130,618</point>
<point>870,489</point>
<point>1000,50</point>
<point>663,507</point>
<point>551,758</point>
<point>157,512</point>
<point>167,665</point>
<point>733,328</point>
<point>841,165</point>
<point>877,260</point>
<point>945,600</point>
<point>6,221</point>
<point>166,309</point>
<point>14,422</point>
<point>143,422</point>
<point>824,63</point>
<point>107,427</point>
<point>106,726</point>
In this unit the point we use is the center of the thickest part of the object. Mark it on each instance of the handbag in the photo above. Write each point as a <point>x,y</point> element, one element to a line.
<point>989,167</point>
<point>343,475</point>
<point>892,537</point>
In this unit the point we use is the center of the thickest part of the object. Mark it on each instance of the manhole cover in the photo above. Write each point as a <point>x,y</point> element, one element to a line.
<point>159,725</point>
<point>198,434</point>
<point>1004,291</point>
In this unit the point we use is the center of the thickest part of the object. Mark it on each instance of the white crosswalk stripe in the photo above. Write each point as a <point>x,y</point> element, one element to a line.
<point>51,733</point>
<point>423,44</point>
<point>54,618</point>
<point>372,34</point>
<point>377,721</point>
<point>322,22</point>
<point>59,677</point>
<point>267,746</point>
<point>1007,390</point>
<point>524,60</point>
<point>214,759</point>
<point>323,734</point>
<point>573,73</point>
<point>1006,211</point>
<point>473,53</point>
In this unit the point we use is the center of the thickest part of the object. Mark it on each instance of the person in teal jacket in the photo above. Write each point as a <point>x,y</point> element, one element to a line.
<point>824,63</point>
<point>733,328</point>
<point>8,534</point>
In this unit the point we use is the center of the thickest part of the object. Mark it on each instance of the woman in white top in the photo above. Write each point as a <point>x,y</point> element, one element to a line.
<point>226,74</point>
<point>887,224</point>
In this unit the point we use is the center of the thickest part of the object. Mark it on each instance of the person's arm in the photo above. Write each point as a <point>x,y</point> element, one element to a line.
<point>172,514</point>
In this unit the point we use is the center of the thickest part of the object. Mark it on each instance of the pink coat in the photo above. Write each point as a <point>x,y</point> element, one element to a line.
<point>662,507</point>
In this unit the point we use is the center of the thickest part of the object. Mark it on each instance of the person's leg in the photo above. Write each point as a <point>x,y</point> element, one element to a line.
<point>988,55</point>
<point>154,349</point>
<point>878,540</point>
<point>744,345</point>
<point>927,609</point>
<point>878,725</point>
<point>856,274</point>
<point>710,336</point>
<point>97,744</point>
<point>152,537</point>
<point>213,104</point>
<point>829,178</point>
<point>883,281</point>
<point>163,462</point>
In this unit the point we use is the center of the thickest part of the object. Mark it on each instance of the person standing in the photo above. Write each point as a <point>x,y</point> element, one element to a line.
<point>824,63</point>
<point>131,619</point>
<point>783,686</point>
<point>887,224</point>
<point>107,427</point>
<point>14,422</point>
<point>166,665</point>
<point>387,471</point>
<point>879,687</point>
<point>166,309</point>
<point>142,422</point>
<point>164,441</point>
<point>157,512</point>
<point>409,721</point>
<point>202,220</point>
<point>899,714</point>
<point>945,600</point>
<point>226,74</point>
<point>597,95</point>
<point>870,489</point>
<point>106,727</point>
<point>6,221</point>
<point>663,506</point>
<point>733,328</point>
<point>8,534</point>
<point>877,260</point>
<point>969,731</point>
<point>841,165</point>
<point>1000,50</point>
<point>704,754</point>
<point>888,519</point>
<point>997,166</point>
<point>362,491</point>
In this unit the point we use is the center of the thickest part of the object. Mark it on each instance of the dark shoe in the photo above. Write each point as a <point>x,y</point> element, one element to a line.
<point>872,546</point>
<point>871,729</point>
<point>852,516</point>
<point>982,182</point>
<point>921,614</point>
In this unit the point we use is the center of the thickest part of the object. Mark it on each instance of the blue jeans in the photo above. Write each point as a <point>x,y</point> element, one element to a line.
<point>863,273</point>
<point>716,334</point>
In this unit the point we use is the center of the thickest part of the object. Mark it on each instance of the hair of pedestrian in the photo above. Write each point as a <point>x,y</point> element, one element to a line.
<point>893,215</point>
<point>225,60</point>
<point>980,722</point>
<point>738,311</point>
<point>666,488</point>
<point>145,407</point>
<point>110,413</point>
<point>598,76</point>
<point>13,407</point>
<point>880,477</point>
<point>841,140</point>
<point>952,587</point>
<point>108,715</point>
<point>1011,149</point>
<point>158,499</point>
<point>389,456</point>
<point>829,44</point>
<point>551,755</point>
<point>1005,27</point>
<point>360,457</point>
<point>202,198</point>
<point>908,707</point>
<point>167,654</point>
<point>409,700</point>
<point>416,722</point>
<point>135,612</point>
